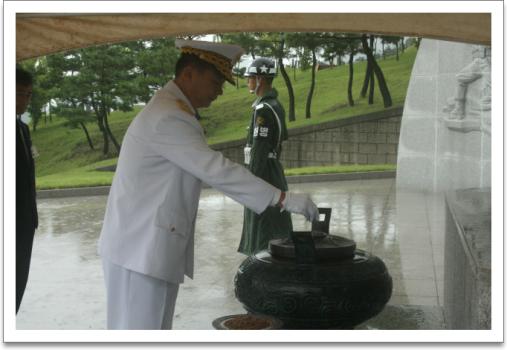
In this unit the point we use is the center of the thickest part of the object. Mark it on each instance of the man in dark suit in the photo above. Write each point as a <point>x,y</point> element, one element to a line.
<point>26,207</point>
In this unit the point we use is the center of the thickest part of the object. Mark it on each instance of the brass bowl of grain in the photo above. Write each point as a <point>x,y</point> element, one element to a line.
<point>247,322</point>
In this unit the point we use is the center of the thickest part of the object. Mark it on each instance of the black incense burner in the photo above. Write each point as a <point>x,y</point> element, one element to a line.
<point>314,280</point>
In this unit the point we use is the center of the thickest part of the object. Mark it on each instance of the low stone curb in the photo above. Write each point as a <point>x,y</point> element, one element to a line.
<point>341,177</point>
<point>104,190</point>
<point>73,192</point>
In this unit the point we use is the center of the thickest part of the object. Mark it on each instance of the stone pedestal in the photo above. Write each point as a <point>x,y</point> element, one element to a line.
<point>467,277</point>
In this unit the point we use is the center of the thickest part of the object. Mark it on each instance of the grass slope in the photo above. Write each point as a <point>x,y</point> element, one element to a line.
<point>65,154</point>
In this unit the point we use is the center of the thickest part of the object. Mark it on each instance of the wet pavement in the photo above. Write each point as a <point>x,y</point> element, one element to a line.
<point>66,289</point>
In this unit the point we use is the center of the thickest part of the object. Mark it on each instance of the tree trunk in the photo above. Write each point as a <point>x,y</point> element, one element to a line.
<point>90,143</point>
<point>386,96</point>
<point>383,51</point>
<point>384,90</point>
<point>312,86</point>
<point>367,77</point>
<point>111,136</point>
<point>100,123</point>
<point>372,88</point>
<point>402,45</point>
<point>106,125</point>
<point>397,55</point>
<point>292,114</point>
<point>351,77</point>
<point>253,55</point>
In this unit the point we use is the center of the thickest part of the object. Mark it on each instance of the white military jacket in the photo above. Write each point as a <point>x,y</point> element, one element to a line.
<point>152,206</point>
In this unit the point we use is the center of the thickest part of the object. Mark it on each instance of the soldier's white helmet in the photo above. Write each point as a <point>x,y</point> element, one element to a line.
<point>261,67</point>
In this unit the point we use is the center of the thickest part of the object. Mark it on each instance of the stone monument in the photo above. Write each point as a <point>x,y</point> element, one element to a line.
<point>445,137</point>
<point>445,152</point>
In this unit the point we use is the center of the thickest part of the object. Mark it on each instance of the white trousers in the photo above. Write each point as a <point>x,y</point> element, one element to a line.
<point>137,301</point>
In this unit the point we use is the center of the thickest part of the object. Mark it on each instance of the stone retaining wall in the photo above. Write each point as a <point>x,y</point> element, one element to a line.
<point>367,139</point>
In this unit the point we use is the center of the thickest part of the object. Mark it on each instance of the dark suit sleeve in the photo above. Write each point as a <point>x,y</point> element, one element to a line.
<point>25,178</point>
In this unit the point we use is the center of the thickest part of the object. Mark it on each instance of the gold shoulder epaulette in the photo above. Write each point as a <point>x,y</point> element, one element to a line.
<point>184,107</point>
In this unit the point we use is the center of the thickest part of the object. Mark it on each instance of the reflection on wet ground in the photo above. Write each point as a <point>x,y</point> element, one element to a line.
<point>66,290</point>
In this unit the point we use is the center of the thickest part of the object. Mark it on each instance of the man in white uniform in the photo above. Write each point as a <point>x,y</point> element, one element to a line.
<point>147,239</point>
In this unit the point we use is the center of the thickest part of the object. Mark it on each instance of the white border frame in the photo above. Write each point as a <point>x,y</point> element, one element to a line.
<point>495,8</point>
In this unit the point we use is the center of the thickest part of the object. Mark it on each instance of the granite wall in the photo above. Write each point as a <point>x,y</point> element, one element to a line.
<point>367,139</point>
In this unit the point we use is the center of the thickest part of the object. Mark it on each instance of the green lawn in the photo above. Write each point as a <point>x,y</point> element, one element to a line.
<point>87,176</point>
<point>65,154</point>
<point>228,119</point>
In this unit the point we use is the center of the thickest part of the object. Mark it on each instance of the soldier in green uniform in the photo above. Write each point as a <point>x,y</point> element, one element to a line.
<point>262,157</point>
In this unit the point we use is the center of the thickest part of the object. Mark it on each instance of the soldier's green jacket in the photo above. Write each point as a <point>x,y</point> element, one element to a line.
<point>265,135</point>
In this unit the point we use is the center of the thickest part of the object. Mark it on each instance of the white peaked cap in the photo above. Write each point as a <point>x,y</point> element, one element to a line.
<point>222,56</point>
<point>229,51</point>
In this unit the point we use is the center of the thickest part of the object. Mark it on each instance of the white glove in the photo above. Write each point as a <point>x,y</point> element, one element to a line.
<point>300,203</point>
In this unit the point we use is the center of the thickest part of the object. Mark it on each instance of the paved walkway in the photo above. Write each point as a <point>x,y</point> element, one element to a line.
<point>65,289</point>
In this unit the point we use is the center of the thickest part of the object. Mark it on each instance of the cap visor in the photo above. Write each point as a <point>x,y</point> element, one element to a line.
<point>231,81</point>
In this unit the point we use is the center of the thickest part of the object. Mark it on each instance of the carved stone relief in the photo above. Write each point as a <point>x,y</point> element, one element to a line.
<point>470,108</point>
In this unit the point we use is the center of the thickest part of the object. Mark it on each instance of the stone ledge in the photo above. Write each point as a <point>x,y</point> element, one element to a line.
<point>470,210</point>
<point>467,259</point>
<point>341,177</point>
<point>73,192</point>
